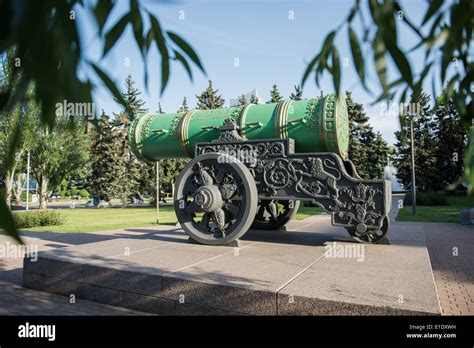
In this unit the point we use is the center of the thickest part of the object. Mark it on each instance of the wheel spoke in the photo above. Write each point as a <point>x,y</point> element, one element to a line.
<point>272,210</point>
<point>220,174</point>
<point>273,214</point>
<point>227,199</point>
<point>193,208</point>
<point>219,219</point>
<point>261,212</point>
<point>204,223</point>
<point>189,187</point>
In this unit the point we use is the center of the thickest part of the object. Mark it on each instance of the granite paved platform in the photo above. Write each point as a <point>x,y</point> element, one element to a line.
<point>17,300</point>
<point>271,273</point>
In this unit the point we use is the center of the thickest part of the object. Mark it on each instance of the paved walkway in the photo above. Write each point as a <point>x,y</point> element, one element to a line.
<point>451,249</point>
<point>450,246</point>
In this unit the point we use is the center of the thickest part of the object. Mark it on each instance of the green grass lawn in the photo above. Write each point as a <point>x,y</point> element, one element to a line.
<point>305,212</point>
<point>92,219</point>
<point>441,213</point>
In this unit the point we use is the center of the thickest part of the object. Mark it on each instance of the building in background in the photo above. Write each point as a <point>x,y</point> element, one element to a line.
<point>248,98</point>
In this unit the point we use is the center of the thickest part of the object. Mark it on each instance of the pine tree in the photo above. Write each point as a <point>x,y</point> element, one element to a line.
<point>297,94</point>
<point>379,152</point>
<point>254,99</point>
<point>358,136</point>
<point>209,99</point>
<point>425,145</point>
<point>184,106</point>
<point>106,160</point>
<point>275,95</point>
<point>169,172</point>
<point>242,101</point>
<point>367,149</point>
<point>132,100</point>
<point>129,173</point>
<point>451,141</point>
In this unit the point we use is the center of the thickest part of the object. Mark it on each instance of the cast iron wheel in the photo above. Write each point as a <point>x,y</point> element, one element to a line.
<point>273,214</point>
<point>370,236</point>
<point>215,199</point>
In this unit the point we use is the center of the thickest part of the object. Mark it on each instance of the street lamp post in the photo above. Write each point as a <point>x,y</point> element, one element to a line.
<point>157,192</point>
<point>28,181</point>
<point>413,184</point>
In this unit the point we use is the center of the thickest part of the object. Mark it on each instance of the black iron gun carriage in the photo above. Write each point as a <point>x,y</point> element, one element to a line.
<point>251,167</point>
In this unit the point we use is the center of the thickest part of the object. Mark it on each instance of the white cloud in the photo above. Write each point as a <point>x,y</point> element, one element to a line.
<point>384,119</point>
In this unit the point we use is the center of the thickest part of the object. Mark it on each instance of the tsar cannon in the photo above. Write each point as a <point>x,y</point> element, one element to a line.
<point>251,166</point>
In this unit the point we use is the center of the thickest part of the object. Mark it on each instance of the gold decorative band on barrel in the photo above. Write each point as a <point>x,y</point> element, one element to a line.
<point>242,117</point>
<point>281,116</point>
<point>183,133</point>
<point>284,118</point>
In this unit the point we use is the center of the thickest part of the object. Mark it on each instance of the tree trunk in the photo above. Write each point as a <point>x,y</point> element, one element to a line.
<point>8,187</point>
<point>43,193</point>
<point>124,200</point>
<point>18,190</point>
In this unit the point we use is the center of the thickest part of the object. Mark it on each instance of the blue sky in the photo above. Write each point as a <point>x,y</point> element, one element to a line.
<point>270,46</point>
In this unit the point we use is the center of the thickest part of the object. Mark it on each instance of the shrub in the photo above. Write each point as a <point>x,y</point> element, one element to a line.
<point>83,193</point>
<point>76,193</point>
<point>38,218</point>
<point>427,198</point>
<point>23,195</point>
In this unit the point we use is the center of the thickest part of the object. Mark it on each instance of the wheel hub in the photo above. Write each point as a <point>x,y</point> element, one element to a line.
<point>361,228</point>
<point>209,198</point>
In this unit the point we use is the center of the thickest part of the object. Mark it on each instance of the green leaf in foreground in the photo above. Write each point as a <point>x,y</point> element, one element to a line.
<point>7,223</point>
<point>181,43</point>
<point>161,45</point>
<point>319,58</point>
<point>115,33</point>
<point>434,7</point>
<point>109,84</point>
<point>401,62</point>
<point>185,64</point>
<point>380,61</point>
<point>336,69</point>
<point>357,54</point>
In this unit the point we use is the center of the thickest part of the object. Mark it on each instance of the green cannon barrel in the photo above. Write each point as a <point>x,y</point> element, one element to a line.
<point>317,125</point>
